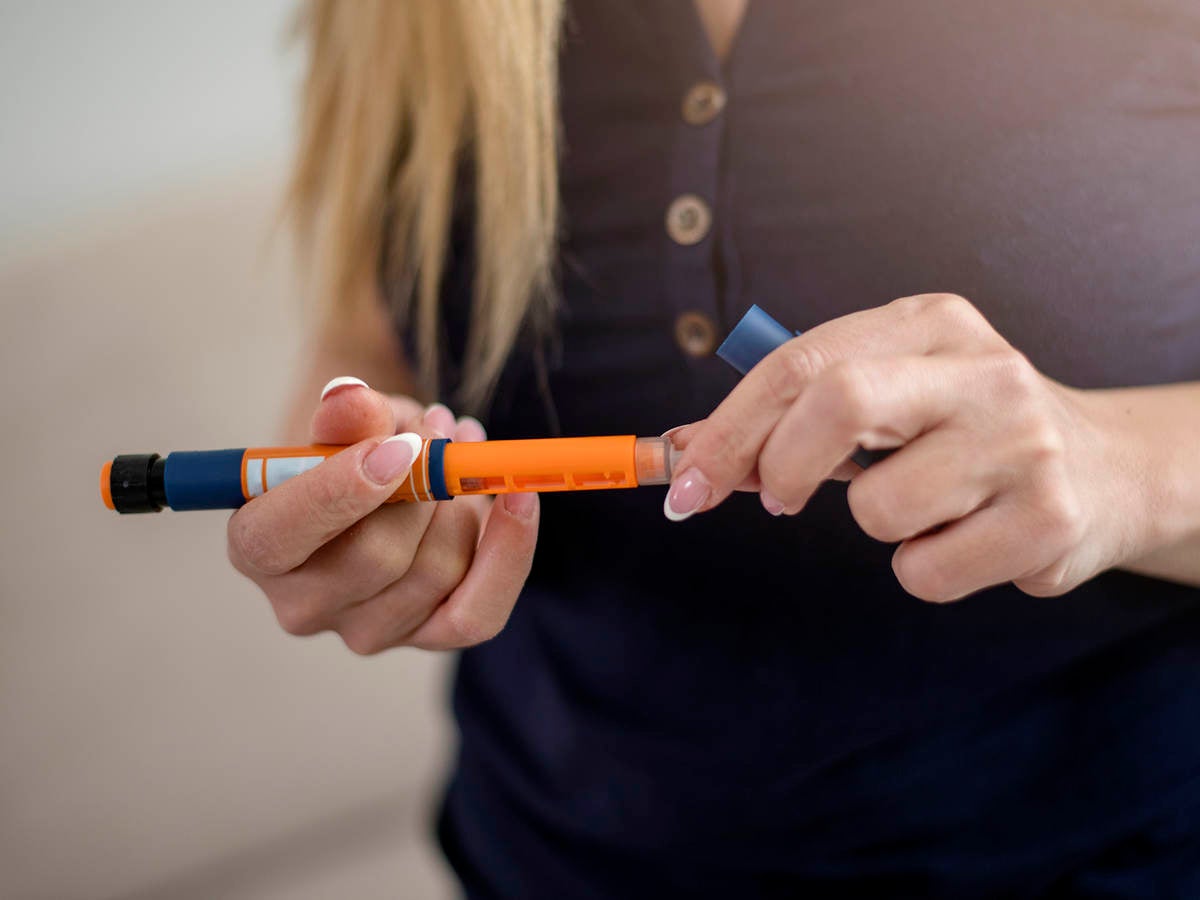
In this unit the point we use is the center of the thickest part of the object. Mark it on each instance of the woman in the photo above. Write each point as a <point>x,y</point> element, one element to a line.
<point>747,704</point>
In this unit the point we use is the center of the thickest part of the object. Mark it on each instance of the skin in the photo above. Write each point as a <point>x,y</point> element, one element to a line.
<point>329,554</point>
<point>1001,473</point>
<point>323,547</point>
<point>721,20</point>
<point>1032,482</point>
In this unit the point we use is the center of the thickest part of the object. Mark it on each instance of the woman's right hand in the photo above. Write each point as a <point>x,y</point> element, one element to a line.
<point>331,556</point>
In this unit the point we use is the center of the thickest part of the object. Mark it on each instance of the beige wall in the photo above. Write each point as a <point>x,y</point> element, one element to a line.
<point>159,735</point>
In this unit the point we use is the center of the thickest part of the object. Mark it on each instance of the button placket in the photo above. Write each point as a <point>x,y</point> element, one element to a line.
<point>703,102</point>
<point>696,334</point>
<point>689,220</point>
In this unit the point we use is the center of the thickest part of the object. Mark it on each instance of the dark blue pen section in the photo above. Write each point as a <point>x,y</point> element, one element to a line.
<point>437,470</point>
<point>204,479</point>
<point>756,335</point>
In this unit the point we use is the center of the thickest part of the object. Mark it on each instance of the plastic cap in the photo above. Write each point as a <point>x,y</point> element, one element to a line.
<point>106,485</point>
<point>756,335</point>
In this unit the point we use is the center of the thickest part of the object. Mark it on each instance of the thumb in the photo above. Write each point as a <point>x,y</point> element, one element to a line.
<point>349,411</point>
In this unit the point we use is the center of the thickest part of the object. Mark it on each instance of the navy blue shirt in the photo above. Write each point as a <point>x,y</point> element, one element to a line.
<point>746,706</point>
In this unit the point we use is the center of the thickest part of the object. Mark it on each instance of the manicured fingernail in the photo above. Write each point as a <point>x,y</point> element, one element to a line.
<point>771,503</point>
<point>341,382</point>
<point>688,492</point>
<point>520,505</point>
<point>392,458</point>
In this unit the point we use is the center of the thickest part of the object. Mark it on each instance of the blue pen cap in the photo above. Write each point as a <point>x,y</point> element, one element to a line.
<point>756,335</point>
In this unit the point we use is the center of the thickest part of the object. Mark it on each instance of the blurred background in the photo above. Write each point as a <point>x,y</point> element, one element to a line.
<point>159,735</point>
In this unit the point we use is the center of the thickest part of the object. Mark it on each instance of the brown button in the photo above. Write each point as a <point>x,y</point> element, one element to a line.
<point>696,334</point>
<point>702,103</point>
<point>688,219</point>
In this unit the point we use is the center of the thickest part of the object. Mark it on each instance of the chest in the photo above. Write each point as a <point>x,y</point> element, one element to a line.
<point>1037,157</point>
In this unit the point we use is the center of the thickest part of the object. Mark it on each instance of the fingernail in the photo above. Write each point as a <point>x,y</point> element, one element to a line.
<point>475,429</point>
<point>687,494</point>
<point>520,505</point>
<point>439,417</point>
<point>341,382</point>
<point>771,503</point>
<point>392,458</point>
<point>671,431</point>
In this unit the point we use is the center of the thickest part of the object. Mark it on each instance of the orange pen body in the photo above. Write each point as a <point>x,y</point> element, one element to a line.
<point>442,470</point>
<point>545,464</point>
<point>496,467</point>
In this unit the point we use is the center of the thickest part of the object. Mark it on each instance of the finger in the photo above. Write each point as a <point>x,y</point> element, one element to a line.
<point>441,561</point>
<point>876,403</point>
<point>406,412</point>
<point>481,604</point>
<point>350,411</point>
<point>278,531</point>
<point>440,419</point>
<point>726,448</point>
<point>935,480</point>
<point>680,436</point>
<point>469,429</point>
<point>356,565</point>
<point>992,546</point>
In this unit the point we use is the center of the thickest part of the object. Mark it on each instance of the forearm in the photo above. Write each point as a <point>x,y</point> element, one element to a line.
<point>1162,425</point>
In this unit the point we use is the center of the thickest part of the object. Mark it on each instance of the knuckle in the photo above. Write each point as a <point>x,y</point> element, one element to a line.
<point>362,642</point>
<point>299,616</point>
<point>1047,447</point>
<point>923,576</point>
<point>330,504</point>
<point>254,548</point>
<point>467,628</point>
<point>1060,517</point>
<point>952,312</point>
<point>953,309</point>
<point>794,366</point>
<point>443,572</point>
<point>389,550</point>
<point>1050,582</point>
<point>446,551</point>
<point>777,477</point>
<point>1015,373</point>
<point>724,451</point>
<point>846,395</point>
<point>873,507</point>
<point>907,308</point>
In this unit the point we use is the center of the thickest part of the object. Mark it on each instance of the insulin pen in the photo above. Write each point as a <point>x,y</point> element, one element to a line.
<point>226,479</point>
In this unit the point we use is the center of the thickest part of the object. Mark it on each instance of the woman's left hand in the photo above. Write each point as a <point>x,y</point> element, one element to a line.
<point>1001,473</point>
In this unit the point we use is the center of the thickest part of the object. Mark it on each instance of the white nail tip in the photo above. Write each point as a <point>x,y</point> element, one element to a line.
<point>415,442</point>
<point>342,381</point>
<point>671,514</point>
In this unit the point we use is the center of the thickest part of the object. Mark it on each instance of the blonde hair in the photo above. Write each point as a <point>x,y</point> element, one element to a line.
<point>398,95</point>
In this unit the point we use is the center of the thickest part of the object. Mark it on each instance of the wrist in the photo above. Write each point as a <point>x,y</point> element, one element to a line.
<point>1150,467</point>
